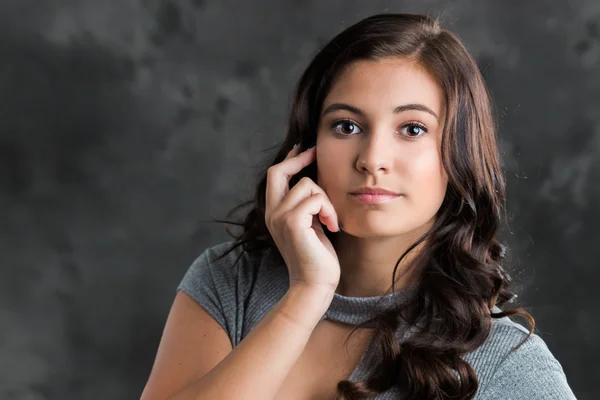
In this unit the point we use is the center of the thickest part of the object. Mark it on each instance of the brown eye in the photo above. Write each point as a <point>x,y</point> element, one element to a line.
<point>414,130</point>
<point>345,127</point>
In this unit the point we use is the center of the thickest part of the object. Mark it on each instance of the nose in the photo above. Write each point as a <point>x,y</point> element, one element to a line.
<point>375,155</point>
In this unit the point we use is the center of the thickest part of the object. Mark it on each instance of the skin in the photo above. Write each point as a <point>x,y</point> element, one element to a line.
<point>384,149</point>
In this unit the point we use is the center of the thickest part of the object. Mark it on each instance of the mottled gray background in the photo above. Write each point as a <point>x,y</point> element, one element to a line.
<point>126,123</point>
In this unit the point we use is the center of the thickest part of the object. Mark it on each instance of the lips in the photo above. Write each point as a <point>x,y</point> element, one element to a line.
<point>374,195</point>
<point>374,191</point>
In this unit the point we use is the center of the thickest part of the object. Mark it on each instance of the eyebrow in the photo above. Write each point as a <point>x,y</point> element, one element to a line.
<point>405,107</point>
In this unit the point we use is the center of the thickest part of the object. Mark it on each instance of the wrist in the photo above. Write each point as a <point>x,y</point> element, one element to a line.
<point>305,306</point>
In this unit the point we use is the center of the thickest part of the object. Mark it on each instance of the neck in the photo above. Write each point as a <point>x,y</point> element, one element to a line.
<point>367,265</point>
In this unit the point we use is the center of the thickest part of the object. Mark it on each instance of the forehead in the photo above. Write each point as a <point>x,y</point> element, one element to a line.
<point>384,84</point>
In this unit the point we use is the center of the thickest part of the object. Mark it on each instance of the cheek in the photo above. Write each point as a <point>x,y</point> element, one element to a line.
<point>427,175</point>
<point>328,170</point>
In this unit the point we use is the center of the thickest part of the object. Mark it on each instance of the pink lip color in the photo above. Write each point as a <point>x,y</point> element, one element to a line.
<point>375,198</point>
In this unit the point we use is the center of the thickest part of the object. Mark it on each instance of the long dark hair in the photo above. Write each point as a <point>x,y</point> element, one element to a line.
<point>461,278</point>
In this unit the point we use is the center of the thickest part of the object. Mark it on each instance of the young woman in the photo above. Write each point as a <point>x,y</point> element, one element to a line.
<point>368,265</point>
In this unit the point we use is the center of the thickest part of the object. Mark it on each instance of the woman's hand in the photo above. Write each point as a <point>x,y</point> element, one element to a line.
<point>292,217</point>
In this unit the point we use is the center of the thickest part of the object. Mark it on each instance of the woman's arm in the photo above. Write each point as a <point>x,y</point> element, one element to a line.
<point>192,365</point>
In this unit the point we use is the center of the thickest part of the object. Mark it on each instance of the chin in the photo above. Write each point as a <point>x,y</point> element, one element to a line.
<point>371,226</point>
<point>365,231</point>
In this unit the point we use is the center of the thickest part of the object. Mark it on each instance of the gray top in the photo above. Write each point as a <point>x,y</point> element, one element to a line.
<point>238,295</point>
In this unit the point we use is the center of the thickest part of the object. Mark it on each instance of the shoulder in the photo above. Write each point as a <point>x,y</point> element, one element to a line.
<point>227,265</point>
<point>210,269</point>
<point>224,253</point>
<point>229,259</point>
<point>511,365</point>
<point>235,286</point>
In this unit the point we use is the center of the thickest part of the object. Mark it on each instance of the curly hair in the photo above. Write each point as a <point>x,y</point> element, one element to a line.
<point>459,260</point>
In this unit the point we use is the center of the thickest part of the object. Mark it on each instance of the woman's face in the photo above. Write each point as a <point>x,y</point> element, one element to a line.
<point>381,126</point>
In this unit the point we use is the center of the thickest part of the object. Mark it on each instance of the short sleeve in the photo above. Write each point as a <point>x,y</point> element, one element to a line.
<point>530,372</point>
<point>212,284</point>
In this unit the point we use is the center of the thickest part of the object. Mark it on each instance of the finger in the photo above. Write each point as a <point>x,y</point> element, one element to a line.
<point>293,152</point>
<point>315,205</point>
<point>306,187</point>
<point>279,175</point>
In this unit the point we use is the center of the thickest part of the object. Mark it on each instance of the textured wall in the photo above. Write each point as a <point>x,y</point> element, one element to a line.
<point>125,123</point>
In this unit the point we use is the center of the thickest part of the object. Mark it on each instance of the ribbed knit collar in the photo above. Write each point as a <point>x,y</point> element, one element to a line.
<point>356,310</point>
